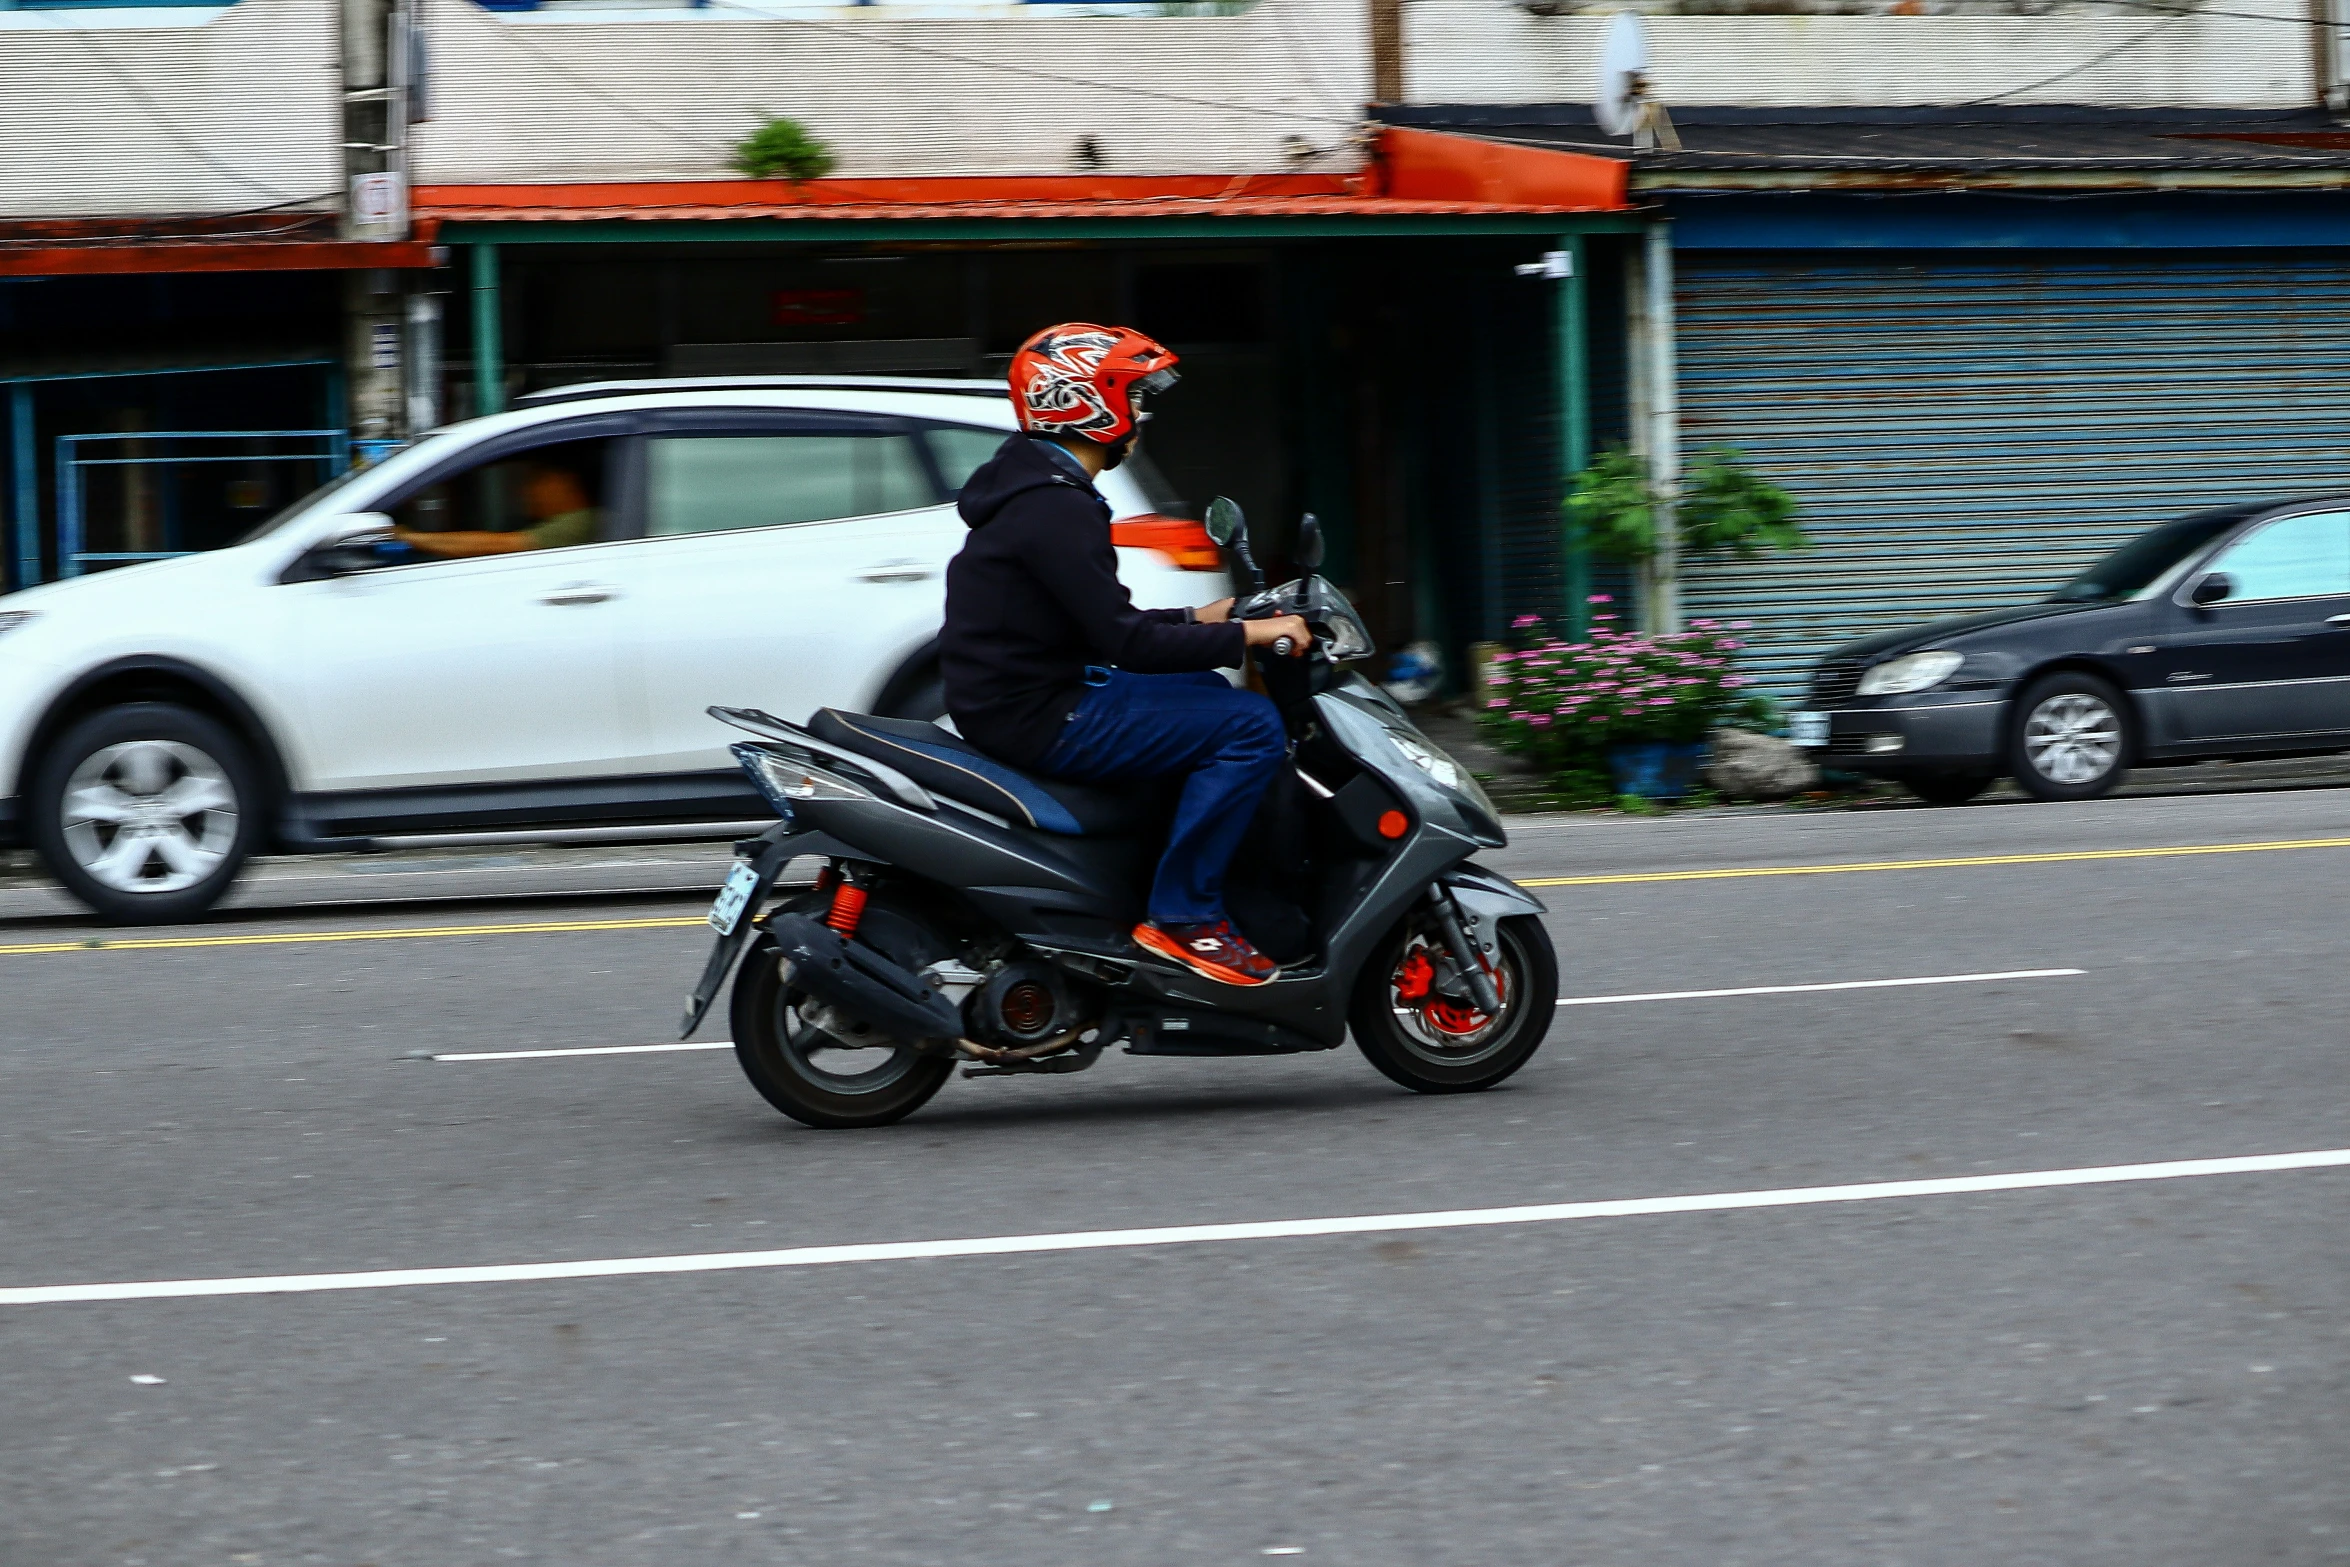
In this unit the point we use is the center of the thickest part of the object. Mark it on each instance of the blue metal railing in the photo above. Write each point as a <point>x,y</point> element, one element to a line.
<point>72,498</point>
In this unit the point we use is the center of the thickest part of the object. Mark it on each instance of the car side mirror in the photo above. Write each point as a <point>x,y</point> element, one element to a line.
<point>2211,588</point>
<point>360,546</point>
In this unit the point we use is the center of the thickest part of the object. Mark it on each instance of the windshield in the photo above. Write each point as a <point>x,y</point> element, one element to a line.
<point>306,502</point>
<point>2142,562</point>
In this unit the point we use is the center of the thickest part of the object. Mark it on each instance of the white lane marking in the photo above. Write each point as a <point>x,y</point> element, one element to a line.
<point>1570,1001</point>
<point>1841,984</point>
<point>1174,1235</point>
<point>582,1050</point>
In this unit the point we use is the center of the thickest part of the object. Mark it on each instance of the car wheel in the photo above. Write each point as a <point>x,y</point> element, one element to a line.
<point>1948,788</point>
<point>2070,738</point>
<point>145,812</point>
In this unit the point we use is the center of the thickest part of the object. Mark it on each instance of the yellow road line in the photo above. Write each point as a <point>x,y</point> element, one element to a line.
<point>304,938</point>
<point>1726,873</point>
<point>1732,873</point>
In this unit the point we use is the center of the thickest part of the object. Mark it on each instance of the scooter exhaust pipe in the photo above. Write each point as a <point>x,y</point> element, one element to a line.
<point>861,982</point>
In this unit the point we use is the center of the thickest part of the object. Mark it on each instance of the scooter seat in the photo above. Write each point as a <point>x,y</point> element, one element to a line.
<point>950,765</point>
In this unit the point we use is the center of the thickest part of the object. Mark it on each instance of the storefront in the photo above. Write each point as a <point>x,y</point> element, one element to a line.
<point>1375,358</point>
<point>164,387</point>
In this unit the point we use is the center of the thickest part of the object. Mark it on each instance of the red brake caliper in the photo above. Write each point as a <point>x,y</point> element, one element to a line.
<point>1415,980</point>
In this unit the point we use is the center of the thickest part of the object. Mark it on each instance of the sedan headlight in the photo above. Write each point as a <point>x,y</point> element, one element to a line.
<point>1911,672</point>
<point>10,619</point>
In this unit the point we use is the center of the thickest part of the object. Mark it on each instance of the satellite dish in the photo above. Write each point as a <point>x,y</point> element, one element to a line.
<point>1623,105</point>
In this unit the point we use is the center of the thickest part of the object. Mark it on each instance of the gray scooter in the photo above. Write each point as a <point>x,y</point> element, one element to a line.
<point>971,914</point>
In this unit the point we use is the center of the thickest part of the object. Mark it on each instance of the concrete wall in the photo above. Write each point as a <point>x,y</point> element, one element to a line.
<point>1492,51</point>
<point>156,112</point>
<point>578,96</point>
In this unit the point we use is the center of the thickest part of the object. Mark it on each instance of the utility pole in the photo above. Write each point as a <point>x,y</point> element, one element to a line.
<point>1386,51</point>
<point>376,55</point>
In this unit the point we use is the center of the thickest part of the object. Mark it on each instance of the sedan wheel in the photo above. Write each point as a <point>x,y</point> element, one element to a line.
<point>2072,738</point>
<point>145,812</point>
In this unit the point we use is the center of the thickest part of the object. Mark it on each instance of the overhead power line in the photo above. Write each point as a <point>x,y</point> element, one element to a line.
<point>164,122</point>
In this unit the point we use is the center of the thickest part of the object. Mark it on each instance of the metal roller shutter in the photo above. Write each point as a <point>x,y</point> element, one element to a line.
<point>1964,433</point>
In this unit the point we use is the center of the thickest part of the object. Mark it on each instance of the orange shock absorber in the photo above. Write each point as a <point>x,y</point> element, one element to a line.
<point>848,907</point>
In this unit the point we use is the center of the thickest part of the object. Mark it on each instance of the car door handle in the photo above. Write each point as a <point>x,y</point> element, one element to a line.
<point>897,571</point>
<point>2338,620</point>
<point>580,593</point>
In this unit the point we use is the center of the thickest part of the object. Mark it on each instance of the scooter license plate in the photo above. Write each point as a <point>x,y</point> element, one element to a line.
<point>727,912</point>
<point>1807,728</point>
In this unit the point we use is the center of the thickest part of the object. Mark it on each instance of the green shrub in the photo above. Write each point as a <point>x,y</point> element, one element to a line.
<point>784,149</point>
<point>1725,508</point>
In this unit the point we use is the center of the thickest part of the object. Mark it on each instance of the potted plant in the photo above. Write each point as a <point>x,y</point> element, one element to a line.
<point>1621,714</point>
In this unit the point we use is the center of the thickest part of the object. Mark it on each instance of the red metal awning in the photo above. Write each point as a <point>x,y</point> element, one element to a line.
<point>1414,173</point>
<point>246,242</point>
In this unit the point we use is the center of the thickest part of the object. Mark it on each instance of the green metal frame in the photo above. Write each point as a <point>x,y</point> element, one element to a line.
<point>1572,364</point>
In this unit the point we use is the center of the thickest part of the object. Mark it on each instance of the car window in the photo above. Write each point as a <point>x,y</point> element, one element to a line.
<point>715,483</point>
<point>2291,558</point>
<point>2140,563</point>
<point>959,449</point>
<point>549,497</point>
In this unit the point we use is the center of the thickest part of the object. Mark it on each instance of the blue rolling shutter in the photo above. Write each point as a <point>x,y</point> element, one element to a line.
<point>1964,433</point>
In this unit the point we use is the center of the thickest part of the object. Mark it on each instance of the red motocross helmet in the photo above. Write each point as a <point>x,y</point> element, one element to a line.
<point>1082,379</point>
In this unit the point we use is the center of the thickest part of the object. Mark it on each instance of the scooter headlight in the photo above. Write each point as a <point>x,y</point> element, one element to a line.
<point>1429,760</point>
<point>1443,769</point>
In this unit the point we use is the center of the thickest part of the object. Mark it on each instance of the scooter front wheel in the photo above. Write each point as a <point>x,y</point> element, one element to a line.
<point>1437,1045</point>
<point>815,1077</point>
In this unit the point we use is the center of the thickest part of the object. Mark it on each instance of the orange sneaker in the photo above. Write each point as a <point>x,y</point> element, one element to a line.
<point>1217,951</point>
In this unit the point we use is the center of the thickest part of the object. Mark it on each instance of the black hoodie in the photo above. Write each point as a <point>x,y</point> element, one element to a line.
<point>1033,597</point>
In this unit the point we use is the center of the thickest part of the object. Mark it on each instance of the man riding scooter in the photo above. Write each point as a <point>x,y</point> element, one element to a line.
<point>1048,665</point>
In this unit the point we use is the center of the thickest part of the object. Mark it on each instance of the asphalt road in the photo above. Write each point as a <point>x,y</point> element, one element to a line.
<point>2139,1372</point>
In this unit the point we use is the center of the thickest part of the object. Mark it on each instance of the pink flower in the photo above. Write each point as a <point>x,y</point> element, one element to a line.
<point>1541,720</point>
<point>1733,680</point>
<point>1523,621</point>
<point>1741,625</point>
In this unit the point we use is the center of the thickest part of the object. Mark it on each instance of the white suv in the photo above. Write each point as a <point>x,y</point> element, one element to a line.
<point>778,543</point>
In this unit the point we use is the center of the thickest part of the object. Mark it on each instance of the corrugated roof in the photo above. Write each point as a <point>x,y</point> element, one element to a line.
<point>1982,139</point>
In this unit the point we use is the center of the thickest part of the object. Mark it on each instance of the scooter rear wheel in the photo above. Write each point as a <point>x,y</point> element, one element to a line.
<point>809,1075</point>
<point>1432,1045</point>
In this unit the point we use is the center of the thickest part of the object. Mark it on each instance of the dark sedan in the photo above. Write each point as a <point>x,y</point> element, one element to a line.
<point>2222,634</point>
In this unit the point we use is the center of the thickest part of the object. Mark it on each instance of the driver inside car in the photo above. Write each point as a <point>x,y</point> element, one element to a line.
<point>1048,665</point>
<point>555,498</point>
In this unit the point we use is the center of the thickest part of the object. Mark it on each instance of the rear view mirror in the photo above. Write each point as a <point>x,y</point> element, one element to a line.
<point>2211,588</point>
<point>1224,522</point>
<point>1309,543</point>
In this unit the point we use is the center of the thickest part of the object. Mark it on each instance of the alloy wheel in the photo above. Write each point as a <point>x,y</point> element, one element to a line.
<point>149,816</point>
<point>2073,738</point>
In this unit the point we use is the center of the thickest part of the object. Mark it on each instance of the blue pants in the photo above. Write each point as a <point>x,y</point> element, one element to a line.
<point>1228,742</point>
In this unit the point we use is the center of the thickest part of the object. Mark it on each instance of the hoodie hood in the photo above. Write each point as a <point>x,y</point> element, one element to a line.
<point>1020,465</point>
